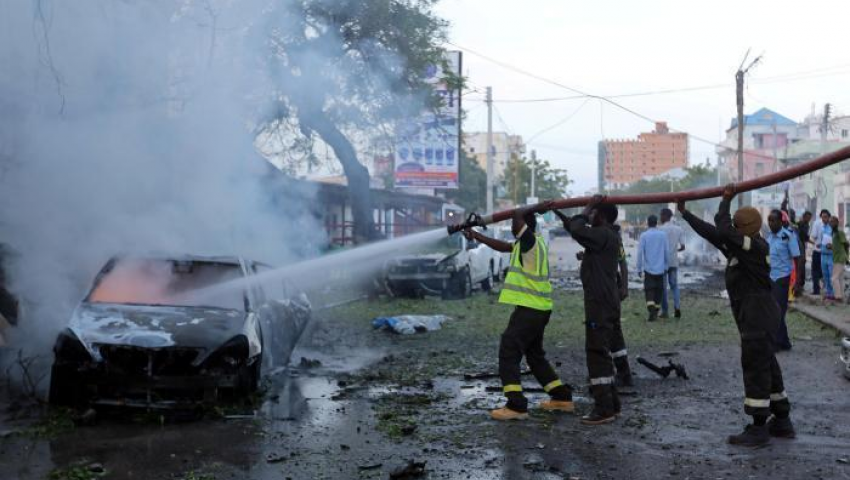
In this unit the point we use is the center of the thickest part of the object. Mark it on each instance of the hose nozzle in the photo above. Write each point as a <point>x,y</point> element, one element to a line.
<point>473,220</point>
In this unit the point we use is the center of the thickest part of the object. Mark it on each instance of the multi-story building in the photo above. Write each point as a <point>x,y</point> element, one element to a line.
<point>623,162</point>
<point>505,147</point>
<point>766,134</point>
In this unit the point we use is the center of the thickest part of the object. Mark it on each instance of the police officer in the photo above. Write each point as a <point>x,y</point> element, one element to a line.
<point>756,315</point>
<point>593,230</point>
<point>527,287</point>
<point>784,251</point>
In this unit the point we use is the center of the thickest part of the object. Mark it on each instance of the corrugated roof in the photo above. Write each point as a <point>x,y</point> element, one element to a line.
<point>764,116</point>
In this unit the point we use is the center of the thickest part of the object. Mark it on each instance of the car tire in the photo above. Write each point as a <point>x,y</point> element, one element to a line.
<point>465,286</point>
<point>488,282</point>
<point>65,386</point>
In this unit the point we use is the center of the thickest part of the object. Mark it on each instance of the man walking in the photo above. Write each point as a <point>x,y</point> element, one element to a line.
<point>816,238</point>
<point>593,230</point>
<point>675,243</point>
<point>784,251</point>
<point>840,249</point>
<point>826,258</point>
<point>652,263</point>
<point>527,287</point>
<point>756,315</point>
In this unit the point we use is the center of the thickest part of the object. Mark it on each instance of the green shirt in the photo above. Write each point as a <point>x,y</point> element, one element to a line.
<point>839,247</point>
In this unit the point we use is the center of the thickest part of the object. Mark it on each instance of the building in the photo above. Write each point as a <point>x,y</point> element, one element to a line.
<point>623,162</point>
<point>505,146</point>
<point>766,134</point>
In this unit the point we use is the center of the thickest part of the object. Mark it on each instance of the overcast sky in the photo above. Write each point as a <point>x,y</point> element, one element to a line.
<point>626,46</point>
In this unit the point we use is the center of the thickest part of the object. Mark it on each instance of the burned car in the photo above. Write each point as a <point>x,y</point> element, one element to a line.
<point>174,331</point>
<point>450,268</point>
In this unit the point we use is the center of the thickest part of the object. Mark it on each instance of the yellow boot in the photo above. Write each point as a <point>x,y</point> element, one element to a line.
<point>505,413</point>
<point>558,405</point>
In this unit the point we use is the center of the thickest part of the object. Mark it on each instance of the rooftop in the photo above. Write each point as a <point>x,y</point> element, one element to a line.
<point>764,116</point>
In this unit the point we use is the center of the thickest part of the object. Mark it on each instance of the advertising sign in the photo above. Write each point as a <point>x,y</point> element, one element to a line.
<point>427,147</point>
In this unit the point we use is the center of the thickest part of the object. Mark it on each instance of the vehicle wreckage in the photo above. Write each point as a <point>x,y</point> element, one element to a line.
<point>141,339</point>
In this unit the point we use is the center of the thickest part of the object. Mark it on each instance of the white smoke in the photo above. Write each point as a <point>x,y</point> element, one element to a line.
<point>125,127</point>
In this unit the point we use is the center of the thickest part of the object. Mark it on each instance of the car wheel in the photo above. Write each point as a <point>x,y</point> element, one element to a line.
<point>65,386</point>
<point>466,284</point>
<point>488,282</point>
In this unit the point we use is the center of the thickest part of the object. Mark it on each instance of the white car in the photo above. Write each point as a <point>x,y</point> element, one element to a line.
<point>845,356</point>
<point>454,267</point>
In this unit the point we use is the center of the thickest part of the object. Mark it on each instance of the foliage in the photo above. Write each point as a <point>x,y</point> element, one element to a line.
<point>697,176</point>
<point>550,182</point>
<point>472,194</point>
<point>344,67</point>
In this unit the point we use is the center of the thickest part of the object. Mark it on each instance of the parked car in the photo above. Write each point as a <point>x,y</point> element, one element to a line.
<point>452,268</point>
<point>147,336</point>
<point>845,356</point>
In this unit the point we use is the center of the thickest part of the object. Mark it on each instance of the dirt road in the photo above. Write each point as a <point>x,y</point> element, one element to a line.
<point>378,400</point>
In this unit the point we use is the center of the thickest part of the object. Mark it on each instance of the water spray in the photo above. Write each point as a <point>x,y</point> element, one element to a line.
<point>476,220</point>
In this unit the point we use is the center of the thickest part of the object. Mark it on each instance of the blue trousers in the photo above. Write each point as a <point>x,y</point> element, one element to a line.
<point>826,268</point>
<point>671,279</point>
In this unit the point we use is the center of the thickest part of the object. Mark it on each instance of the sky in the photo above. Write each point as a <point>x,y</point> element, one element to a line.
<point>614,47</point>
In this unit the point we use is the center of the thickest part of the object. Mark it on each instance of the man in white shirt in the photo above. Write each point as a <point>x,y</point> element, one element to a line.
<point>675,241</point>
<point>816,237</point>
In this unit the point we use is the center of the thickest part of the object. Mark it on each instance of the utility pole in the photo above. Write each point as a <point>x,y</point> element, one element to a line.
<point>739,96</point>
<point>489,101</point>
<point>824,130</point>
<point>533,172</point>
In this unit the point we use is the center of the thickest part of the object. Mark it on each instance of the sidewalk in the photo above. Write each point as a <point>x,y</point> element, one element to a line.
<point>835,316</point>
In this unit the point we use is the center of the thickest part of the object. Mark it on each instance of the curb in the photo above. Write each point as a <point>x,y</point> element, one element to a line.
<point>816,315</point>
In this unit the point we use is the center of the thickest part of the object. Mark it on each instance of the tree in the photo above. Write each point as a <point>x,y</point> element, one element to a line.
<point>550,182</point>
<point>472,194</point>
<point>343,67</point>
<point>698,176</point>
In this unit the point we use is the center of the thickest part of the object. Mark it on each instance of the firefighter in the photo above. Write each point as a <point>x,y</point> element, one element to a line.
<point>527,287</point>
<point>593,229</point>
<point>623,377</point>
<point>756,315</point>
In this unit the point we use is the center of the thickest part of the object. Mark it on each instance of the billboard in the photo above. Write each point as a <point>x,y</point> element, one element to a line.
<point>427,148</point>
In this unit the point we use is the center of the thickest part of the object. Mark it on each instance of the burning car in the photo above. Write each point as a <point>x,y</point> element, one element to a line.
<point>167,332</point>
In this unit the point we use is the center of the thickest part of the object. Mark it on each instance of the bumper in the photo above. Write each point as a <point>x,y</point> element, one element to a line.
<point>845,356</point>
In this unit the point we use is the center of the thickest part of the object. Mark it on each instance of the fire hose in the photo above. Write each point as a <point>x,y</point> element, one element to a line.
<point>476,220</point>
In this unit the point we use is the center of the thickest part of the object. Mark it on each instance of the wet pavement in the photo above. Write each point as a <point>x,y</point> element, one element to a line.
<point>370,401</point>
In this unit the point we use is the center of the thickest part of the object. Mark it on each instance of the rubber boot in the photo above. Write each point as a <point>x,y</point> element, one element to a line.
<point>618,407</point>
<point>653,314</point>
<point>603,408</point>
<point>624,372</point>
<point>781,427</point>
<point>752,436</point>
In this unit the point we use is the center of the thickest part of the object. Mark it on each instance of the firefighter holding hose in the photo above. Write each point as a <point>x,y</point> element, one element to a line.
<point>756,314</point>
<point>593,229</point>
<point>528,289</point>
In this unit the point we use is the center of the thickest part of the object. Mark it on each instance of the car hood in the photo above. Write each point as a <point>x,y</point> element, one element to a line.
<point>154,326</point>
<point>423,259</point>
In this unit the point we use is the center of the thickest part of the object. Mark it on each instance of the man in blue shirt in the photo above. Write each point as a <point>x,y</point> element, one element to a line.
<point>784,251</point>
<point>652,262</point>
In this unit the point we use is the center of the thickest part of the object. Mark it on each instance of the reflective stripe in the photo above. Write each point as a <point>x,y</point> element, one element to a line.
<point>775,397</point>
<point>651,304</point>
<point>757,403</point>
<point>767,258</point>
<point>748,243</point>
<point>552,384</point>
<point>620,353</point>
<point>512,388</point>
<point>602,381</point>
<point>536,278</point>
<point>528,291</point>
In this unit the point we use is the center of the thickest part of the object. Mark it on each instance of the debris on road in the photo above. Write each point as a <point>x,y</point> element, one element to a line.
<point>309,363</point>
<point>366,468</point>
<point>410,324</point>
<point>666,370</point>
<point>411,470</point>
<point>488,375</point>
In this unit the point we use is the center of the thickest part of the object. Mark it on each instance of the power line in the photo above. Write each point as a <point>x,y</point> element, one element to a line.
<point>558,123</point>
<point>589,95</point>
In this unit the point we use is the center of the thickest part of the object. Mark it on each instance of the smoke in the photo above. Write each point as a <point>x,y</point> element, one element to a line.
<point>125,127</point>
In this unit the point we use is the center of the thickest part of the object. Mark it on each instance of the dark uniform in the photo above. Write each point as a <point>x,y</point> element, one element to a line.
<point>601,306</point>
<point>756,312</point>
<point>618,342</point>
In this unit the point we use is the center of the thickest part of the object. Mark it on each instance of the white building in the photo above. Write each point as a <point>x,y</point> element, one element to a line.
<point>505,146</point>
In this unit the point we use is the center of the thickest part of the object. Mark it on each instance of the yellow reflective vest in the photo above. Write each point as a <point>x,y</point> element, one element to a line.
<point>528,286</point>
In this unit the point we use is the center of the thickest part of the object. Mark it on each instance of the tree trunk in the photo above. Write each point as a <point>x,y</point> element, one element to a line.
<point>359,192</point>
